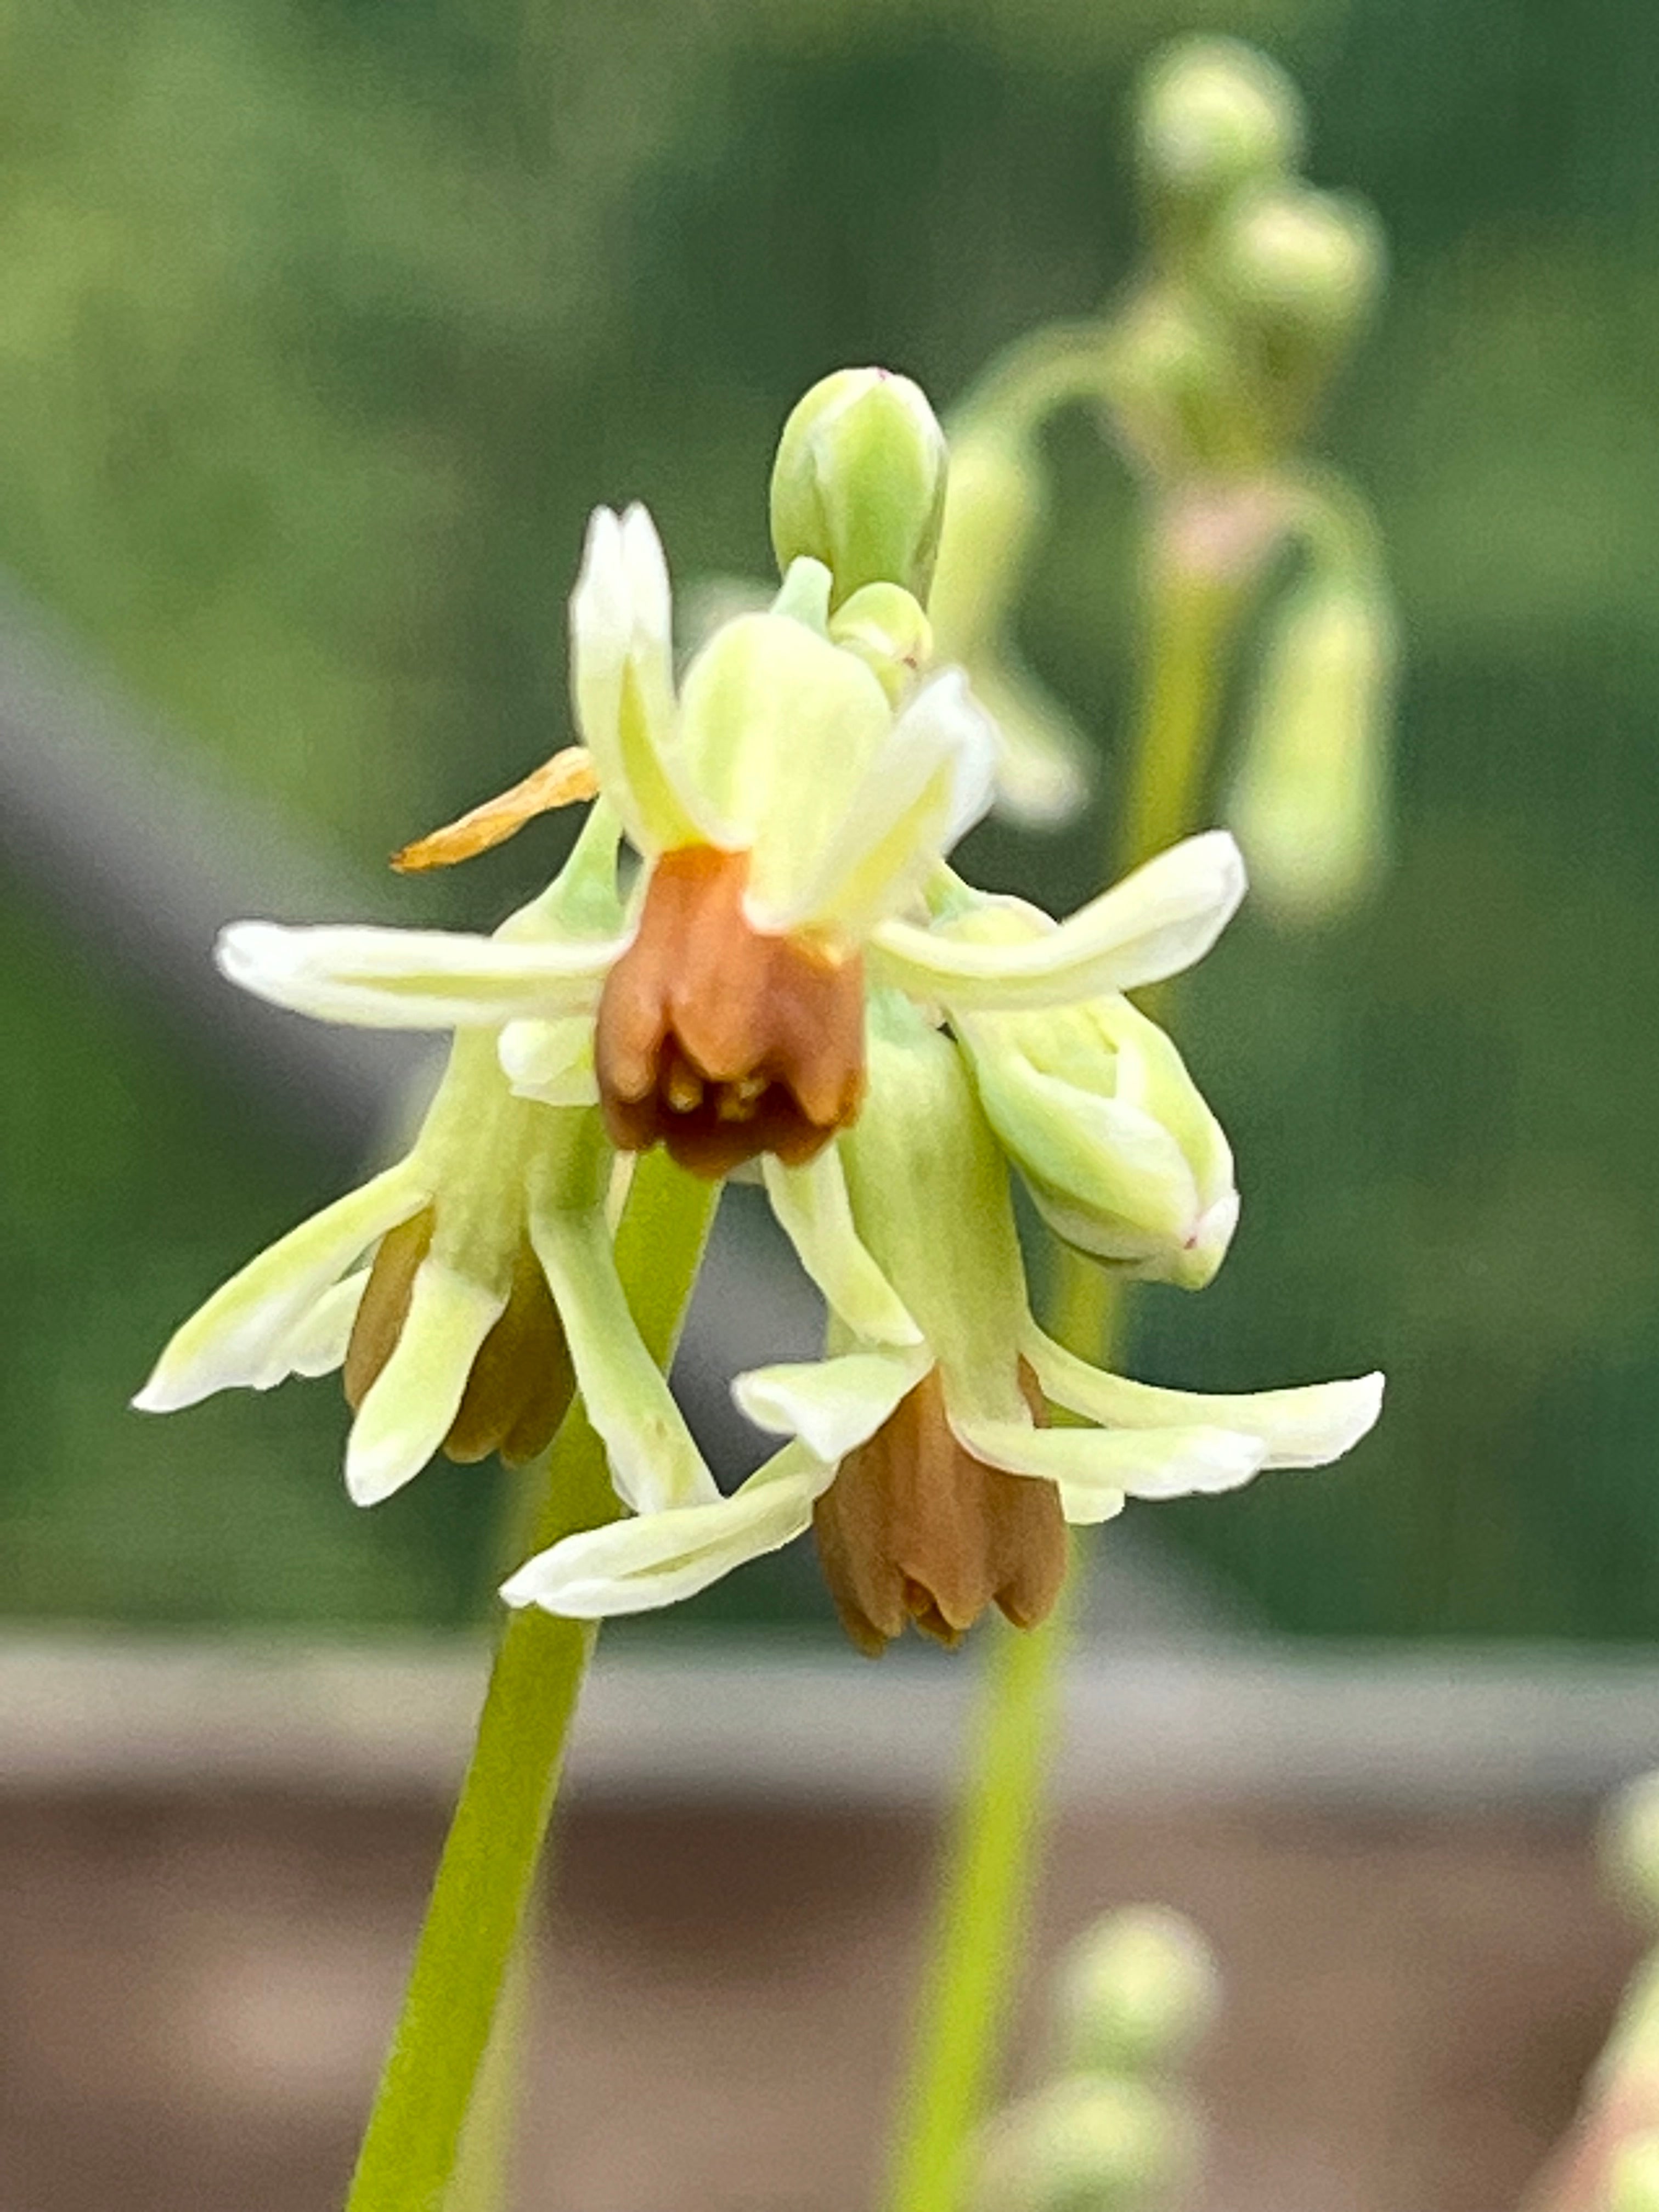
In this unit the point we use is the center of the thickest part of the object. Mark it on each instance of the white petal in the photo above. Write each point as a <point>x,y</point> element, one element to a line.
<point>1097,1469</point>
<point>319,1345</point>
<point>1307,1427</point>
<point>931,779</point>
<point>416,1396</point>
<point>621,677</point>
<point>654,1462</point>
<point>656,1559</point>
<point>831,1405</point>
<point>414,979</point>
<point>1158,920</point>
<point>231,1341</point>
<point>812,1207</point>
<point>551,1061</point>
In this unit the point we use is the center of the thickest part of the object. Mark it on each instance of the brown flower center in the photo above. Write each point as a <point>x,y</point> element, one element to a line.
<point>915,1529</point>
<point>718,1041</point>
<point>521,1380</point>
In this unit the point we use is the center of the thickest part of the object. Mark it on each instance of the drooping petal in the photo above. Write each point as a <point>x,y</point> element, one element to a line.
<point>417,1394</point>
<point>830,1404</point>
<point>811,1207</point>
<point>1306,1426</point>
<point>1158,920</point>
<point>658,1559</point>
<point>931,779</point>
<point>654,1463</point>
<point>237,1340</point>
<point>622,678</point>
<point>1097,1469</point>
<point>319,1345</point>
<point>414,979</point>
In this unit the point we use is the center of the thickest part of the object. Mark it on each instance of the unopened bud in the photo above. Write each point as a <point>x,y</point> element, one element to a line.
<point>858,482</point>
<point>1179,401</point>
<point>993,511</point>
<point>889,632</point>
<point>1215,115</point>
<point>1633,2175</point>
<point>1087,2145</point>
<point>1302,267</point>
<point>1309,804</point>
<point>1095,1107</point>
<point>1136,1993</point>
<point>1629,1849</point>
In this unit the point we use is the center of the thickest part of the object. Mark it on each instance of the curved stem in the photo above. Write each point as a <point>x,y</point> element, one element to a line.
<point>486,1873</point>
<point>989,1853</point>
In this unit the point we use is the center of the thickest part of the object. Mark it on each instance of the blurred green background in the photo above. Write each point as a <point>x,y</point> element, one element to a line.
<point>323,326</point>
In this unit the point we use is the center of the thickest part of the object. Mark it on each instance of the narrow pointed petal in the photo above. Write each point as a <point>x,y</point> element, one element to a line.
<point>1158,920</point>
<point>414,979</point>
<point>1306,1426</point>
<point>831,1405</point>
<point>655,1464</point>
<point>636,1565</point>
<point>931,781</point>
<point>319,1345</point>
<point>622,678</point>
<point>1097,1469</point>
<point>812,1207</point>
<point>417,1394</point>
<point>230,1342</point>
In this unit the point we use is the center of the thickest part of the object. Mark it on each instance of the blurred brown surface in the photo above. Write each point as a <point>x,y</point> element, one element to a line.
<point>193,1993</point>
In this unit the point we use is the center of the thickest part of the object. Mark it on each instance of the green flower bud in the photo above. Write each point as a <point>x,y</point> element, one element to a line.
<point>1135,1993</point>
<point>1180,401</point>
<point>889,632</point>
<point>1310,806</point>
<point>1302,267</point>
<point>1088,2145</point>
<point>1629,1849</point>
<point>1633,2175</point>
<point>1094,1106</point>
<point>1214,115</point>
<point>858,482</point>
<point>993,511</point>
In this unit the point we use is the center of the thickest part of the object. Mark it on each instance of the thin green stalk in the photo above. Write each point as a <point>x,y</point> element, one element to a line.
<point>990,1850</point>
<point>486,1873</point>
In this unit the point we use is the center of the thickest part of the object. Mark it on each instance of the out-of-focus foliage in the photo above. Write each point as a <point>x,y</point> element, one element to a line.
<point>324,326</point>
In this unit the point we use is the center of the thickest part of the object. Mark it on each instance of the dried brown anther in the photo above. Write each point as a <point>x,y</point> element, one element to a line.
<point>521,1381</point>
<point>718,1041</point>
<point>915,1529</point>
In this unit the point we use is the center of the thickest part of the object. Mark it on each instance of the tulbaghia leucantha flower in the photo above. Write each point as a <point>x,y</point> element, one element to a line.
<point>460,1289</point>
<point>918,1448</point>
<point>787,816</point>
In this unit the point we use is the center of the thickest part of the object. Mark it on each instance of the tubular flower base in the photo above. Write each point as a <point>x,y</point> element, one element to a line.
<point>719,1041</point>
<point>909,1442</point>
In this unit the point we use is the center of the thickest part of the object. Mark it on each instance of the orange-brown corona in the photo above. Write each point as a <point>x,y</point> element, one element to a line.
<point>915,1529</point>
<point>521,1380</point>
<point>719,1041</point>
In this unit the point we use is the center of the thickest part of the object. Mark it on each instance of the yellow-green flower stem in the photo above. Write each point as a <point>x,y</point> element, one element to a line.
<point>486,1873</point>
<point>989,1851</point>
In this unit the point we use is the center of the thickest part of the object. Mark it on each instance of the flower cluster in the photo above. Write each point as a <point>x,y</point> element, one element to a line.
<point>757,956</point>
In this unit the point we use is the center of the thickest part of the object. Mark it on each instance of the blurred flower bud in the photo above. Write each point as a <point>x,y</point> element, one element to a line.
<point>858,482</point>
<point>888,631</point>
<point>991,514</point>
<point>1629,1849</point>
<point>1179,401</point>
<point>1633,2175</point>
<point>1135,1993</point>
<point>1094,1106</point>
<point>1086,2145</point>
<point>1214,115</point>
<point>1302,267</point>
<point>1310,803</point>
